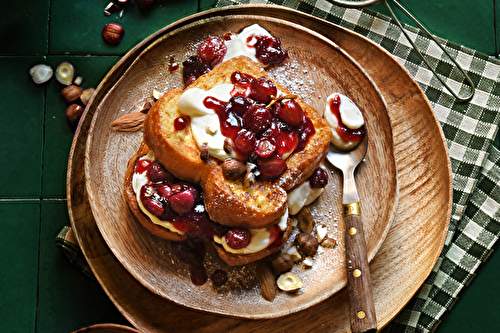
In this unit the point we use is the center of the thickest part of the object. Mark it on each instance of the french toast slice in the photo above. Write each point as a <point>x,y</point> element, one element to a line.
<point>232,203</point>
<point>131,198</point>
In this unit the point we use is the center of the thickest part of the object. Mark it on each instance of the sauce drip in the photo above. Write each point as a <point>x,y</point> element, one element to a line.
<point>345,132</point>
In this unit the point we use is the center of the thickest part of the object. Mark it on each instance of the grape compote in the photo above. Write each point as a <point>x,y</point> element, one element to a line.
<point>212,50</point>
<point>264,128</point>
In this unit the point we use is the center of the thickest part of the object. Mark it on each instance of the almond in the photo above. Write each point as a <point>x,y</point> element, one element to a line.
<point>131,122</point>
<point>267,282</point>
<point>304,220</point>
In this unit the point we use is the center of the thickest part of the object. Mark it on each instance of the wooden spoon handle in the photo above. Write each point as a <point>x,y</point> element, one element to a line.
<point>361,305</point>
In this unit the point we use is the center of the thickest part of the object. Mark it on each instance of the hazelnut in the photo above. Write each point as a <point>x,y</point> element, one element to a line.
<point>146,107</point>
<point>87,95</point>
<point>282,263</point>
<point>71,93</point>
<point>294,254</point>
<point>112,33</point>
<point>65,73</point>
<point>73,114</point>
<point>233,169</point>
<point>156,94</point>
<point>289,282</point>
<point>204,155</point>
<point>306,243</point>
<point>228,146</point>
<point>249,179</point>
<point>78,80</point>
<point>308,262</point>
<point>329,242</point>
<point>41,73</point>
<point>321,232</point>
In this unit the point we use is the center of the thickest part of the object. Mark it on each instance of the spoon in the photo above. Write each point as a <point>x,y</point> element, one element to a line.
<point>361,305</point>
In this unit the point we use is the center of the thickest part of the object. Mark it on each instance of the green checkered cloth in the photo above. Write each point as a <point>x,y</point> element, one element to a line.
<point>469,128</point>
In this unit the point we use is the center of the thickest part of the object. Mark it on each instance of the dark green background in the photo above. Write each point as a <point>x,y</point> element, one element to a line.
<point>39,290</point>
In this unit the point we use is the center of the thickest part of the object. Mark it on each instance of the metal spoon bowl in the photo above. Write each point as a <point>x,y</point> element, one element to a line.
<point>361,304</point>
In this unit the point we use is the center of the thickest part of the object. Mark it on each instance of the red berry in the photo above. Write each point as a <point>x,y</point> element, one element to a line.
<point>237,238</point>
<point>180,123</point>
<point>239,105</point>
<point>272,167</point>
<point>163,190</point>
<point>241,78</point>
<point>245,141</point>
<point>265,148</point>
<point>319,178</point>
<point>182,202</point>
<point>262,90</point>
<point>153,206</point>
<point>257,119</point>
<point>157,173</point>
<point>290,112</point>
<point>219,277</point>
<point>212,50</point>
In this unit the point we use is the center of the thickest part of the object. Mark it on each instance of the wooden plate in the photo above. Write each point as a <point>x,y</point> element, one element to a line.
<point>403,262</point>
<point>312,75</point>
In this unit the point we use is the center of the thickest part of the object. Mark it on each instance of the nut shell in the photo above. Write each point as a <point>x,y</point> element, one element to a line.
<point>65,72</point>
<point>87,95</point>
<point>41,73</point>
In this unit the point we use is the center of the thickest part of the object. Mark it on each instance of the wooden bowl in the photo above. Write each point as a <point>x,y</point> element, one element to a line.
<point>106,328</point>
<point>317,68</point>
<point>406,257</point>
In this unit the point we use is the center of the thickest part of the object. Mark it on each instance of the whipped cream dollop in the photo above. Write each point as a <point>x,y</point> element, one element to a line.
<point>238,44</point>
<point>302,196</point>
<point>350,116</point>
<point>205,124</point>
<point>260,239</point>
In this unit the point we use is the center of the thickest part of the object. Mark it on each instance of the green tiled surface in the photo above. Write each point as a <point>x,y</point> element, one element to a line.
<point>24,27</point>
<point>67,298</point>
<point>82,23</point>
<point>21,129</point>
<point>42,292</point>
<point>19,238</point>
<point>58,135</point>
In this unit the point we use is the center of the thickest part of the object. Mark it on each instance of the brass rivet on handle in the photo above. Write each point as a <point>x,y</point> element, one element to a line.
<point>356,273</point>
<point>352,231</point>
<point>361,314</point>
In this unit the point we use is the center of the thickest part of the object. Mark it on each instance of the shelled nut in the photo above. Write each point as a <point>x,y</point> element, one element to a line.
<point>71,93</point>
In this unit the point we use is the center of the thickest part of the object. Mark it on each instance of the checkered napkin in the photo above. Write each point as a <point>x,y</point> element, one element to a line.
<point>469,128</point>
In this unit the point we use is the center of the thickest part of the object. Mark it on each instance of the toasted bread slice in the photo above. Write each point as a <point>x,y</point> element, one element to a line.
<point>131,198</point>
<point>232,203</point>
